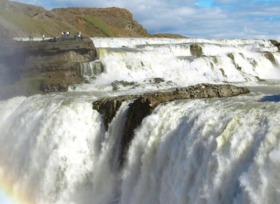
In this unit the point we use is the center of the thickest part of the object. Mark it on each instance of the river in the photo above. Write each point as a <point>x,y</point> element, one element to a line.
<point>55,149</point>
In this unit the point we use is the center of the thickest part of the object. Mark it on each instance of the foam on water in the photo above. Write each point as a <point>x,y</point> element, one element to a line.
<point>205,152</point>
<point>55,149</point>
<point>193,151</point>
<point>139,60</point>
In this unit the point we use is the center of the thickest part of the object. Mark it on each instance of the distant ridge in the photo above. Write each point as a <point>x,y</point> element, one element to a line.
<point>22,20</point>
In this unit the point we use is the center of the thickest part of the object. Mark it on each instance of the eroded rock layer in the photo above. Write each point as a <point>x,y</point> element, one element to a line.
<point>43,66</point>
<point>142,105</point>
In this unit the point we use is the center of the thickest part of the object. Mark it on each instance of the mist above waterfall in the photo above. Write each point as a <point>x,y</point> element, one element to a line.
<point>11,62</point>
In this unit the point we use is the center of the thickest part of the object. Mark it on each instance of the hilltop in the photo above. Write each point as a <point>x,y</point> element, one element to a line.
<point>18,20</point>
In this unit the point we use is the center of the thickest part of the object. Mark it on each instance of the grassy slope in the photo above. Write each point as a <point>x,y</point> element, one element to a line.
<point>19,20</point>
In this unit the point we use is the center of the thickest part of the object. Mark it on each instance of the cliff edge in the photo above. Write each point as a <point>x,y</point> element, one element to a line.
<point>142,105</point>
<point>30,67</point>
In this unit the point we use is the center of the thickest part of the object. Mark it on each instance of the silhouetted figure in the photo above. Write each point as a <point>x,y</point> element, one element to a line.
<point>64,35</point>
<point>79,35</point>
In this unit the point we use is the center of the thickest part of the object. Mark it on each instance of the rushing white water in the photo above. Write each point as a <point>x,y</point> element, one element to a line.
<point>91,69</point>
<point>55,149</point>
<point>194,151</point>
<point>139,61</point>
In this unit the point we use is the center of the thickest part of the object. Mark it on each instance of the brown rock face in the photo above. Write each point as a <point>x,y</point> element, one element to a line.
<point>276,44</point>
<point>49,65</point>
<point>196,50</point>
<point>144,104</point>
<point>47,56</point>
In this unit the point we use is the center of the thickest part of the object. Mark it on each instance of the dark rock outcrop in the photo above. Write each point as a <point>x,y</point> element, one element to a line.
<point>271,57</point>
<point>143,105</point>
<point>276,44</point>
<point>117,84</point>
<point>196,50</point>
<point>43,66</point>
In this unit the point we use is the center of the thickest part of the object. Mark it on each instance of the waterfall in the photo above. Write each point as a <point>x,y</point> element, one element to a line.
<point>193,151</point>
<point>55,148</point>
<point>205,152</point>
<point>138,61</point>
<point>91,69</point>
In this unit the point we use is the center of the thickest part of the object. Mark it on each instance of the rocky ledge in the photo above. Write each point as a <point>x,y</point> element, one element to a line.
<point>142,105</point>
<point>276,44</point>
<point>29,67</point>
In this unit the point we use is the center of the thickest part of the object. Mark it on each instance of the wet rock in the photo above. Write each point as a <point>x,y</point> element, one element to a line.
<point>92,69</point>
<point>276,44</point>
<point>155,80</point>
<point>117,84</point>
<point>270,57</point>
<point>142,105</point>
<point>58,81</point>
<point>196,50</point>
<point>52,66</point>
<point>56,56</point>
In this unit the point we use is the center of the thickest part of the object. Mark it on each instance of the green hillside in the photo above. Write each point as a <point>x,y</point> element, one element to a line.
<point>22,20</point>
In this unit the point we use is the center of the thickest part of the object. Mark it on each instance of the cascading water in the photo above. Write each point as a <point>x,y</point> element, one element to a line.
<point>56,149</point>
<point>138,61</point>
<point>91,69</point>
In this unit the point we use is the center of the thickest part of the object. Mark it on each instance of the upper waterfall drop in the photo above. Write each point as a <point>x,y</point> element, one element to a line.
<point>137,61</point>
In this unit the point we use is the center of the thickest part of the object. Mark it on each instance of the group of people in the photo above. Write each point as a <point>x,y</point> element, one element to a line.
<point>64,36</point>
<point>67,35</point>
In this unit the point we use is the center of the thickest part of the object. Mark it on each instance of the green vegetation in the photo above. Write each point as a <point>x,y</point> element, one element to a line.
<point>99,24</point>
<point>31,26</point>
<point>22,20</point>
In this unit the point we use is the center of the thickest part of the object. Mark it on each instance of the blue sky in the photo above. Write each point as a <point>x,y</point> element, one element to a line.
<point>195,18</point>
